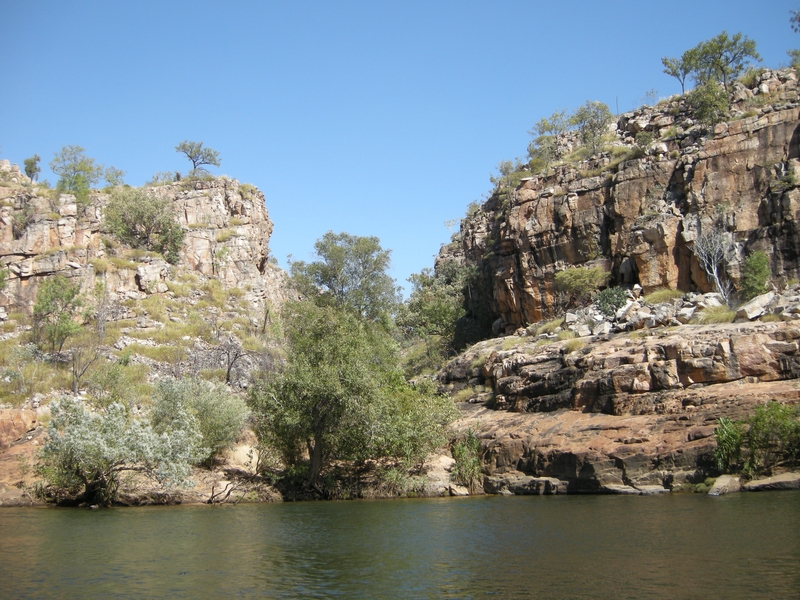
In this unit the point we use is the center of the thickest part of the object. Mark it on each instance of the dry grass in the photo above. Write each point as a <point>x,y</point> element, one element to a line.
<point>550,326</point>
<point>180,290</point>
<point>770,318</point>
<point>512,341</point>
<point>223,235</point>
<point>714,315</point>
<point>662,295</point>
<point>100,265</point>
<point>165,354</point>
<point>121,263</point>
<point>463,395</point>
<point>573,345</point>
<point>566,334</point>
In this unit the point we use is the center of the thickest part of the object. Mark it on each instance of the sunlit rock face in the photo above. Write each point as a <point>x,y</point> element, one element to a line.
<point>227,231</point>
<point>637,211</point>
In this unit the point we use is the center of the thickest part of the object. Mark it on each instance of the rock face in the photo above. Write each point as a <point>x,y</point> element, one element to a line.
<point>227,234</point>
<point>637,214</point>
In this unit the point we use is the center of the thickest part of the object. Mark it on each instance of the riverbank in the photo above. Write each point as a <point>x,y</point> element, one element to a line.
<point>586,453</point>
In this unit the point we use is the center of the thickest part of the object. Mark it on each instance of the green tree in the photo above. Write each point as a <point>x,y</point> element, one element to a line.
<point>681,68</point>
<point>431,313</point>
<point>77,172</point>
<point>86,452</point>
<point>544,149</point>
<point>340,395</point>
<point>724,58</point>
<point>436,301</point>
<point>592,120</point>
<point>114,177</point>
<point>773,436</point>
<point>32,168</point>
<point>755,274</point>
<point>199,157</point>
<point>144,221</point>
<point>219,414</point>
<point>57,302</point>
<point>352,271</point>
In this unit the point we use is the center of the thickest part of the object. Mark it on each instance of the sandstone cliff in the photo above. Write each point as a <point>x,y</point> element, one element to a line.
<point>628,403</point>
<point>43,233</point>
<point>639,217</point>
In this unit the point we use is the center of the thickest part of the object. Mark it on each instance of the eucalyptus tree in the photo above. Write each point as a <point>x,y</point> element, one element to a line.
<point>352,272</point>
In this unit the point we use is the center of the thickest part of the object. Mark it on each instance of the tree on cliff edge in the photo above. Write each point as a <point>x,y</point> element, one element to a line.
<point>199,156</point>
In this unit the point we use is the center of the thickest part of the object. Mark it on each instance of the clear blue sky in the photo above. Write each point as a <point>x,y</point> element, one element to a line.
<point>374,117</point>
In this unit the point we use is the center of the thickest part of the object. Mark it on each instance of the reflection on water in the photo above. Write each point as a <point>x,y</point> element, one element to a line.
<point>686,546</point>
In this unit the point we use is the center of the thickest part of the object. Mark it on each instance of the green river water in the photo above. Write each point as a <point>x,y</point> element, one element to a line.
<point>679,546</point>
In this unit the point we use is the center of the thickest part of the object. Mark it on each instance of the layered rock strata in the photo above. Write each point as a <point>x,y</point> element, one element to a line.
<point>631,411</point>
<point>638,213</point>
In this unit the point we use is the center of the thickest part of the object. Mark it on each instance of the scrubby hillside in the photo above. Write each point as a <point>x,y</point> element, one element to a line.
<point>84,312</point>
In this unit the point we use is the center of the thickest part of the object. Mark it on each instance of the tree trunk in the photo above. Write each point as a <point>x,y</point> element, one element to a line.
<point>316,459</point>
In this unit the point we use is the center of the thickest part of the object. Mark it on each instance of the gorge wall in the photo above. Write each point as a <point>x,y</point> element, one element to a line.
<point>638,217</point>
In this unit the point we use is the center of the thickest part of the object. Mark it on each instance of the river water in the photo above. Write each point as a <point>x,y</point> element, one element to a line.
<point>680,546</point>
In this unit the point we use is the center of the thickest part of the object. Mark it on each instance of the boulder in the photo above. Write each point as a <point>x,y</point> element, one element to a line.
<point>725,484</point>
<point>755,307</point>
<point>785,481</point>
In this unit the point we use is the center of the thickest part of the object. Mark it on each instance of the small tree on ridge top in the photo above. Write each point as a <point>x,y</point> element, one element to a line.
<point>198,155</point>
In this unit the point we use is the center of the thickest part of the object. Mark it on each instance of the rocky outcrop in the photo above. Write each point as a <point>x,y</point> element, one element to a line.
<point>569,451</point>
<point>227,233</point>
<point>621,374</point>
<point>637,211</point>
<point>623,410</point>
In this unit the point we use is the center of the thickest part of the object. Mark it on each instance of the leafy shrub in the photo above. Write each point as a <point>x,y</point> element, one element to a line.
<point>662,295</point>
<point>755,273</point>
<point>144,221</point>
<point>610,300</point>
<point>219,414</point>
<point>466,452</point>
<point>21,219</point>
<point>774,435</point>
<point>86,452</point>
<point>730,435</point>
<point>580,283</point>
<point>644,139</point>
<point>117,382</point>
<point>709,102</point>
